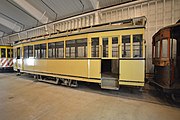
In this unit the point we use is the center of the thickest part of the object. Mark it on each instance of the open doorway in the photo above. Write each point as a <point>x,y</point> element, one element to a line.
<point>109,68</point>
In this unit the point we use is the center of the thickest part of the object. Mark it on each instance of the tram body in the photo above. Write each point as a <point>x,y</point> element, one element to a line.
<point>111,54</point>
<point>6,58</point>
<point>166,59</point>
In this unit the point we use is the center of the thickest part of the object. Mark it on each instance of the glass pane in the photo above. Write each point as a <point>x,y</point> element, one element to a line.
<point>51,50</point>
<point>70,48</point>
<point>137,45</point>
<point>43,50</point>
<point>105,47</point>
<point>164,48</point>
<point>158,49</point>
<point>114,46</point>
<point>30,48</point>
<point>8,53</point>
<point>14,53</point>
<point>126,48</point>
<point>95,47</point>
<point>60,49</point>
<point>81,48</point>
<point>37,51</point>
<point>26,52</point>
<point>18,53</point>
<point>3,52</point>
<point>173,48</point>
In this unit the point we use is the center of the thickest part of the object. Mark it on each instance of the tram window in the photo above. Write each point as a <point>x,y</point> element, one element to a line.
<point>153,51</point>
<point>43,51</point>
<point>3,52</point>
<point>18,53</point>
<point>173,47</point>
<point>126,46</point>
<point>26,52</point>
<point>14,53</point>
<point>105,47</point>
<point>70,49</point>
<point>37,51</point>
<point>30,51</point>
<point>164,48</point>
<point>9,53</point>
<point>95,47</point>
<point>60,49</point>
<point>137,45</point>
<point>81,48</point>
<point>51,50</point>
<point>114,46</point>
<point>157,49</point>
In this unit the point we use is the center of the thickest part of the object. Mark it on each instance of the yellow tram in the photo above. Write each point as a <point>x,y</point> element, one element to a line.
<point>6,60</point>
<point>111,54</point>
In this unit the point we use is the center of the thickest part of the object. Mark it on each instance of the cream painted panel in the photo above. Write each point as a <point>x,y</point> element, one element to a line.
<point>95,69</point>
<point>132,70</point>
<point>68,67</point>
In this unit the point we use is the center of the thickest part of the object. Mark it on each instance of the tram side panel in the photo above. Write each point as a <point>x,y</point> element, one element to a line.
<point>6,63</point>
<point>132,72</point>
<point>67,67</point>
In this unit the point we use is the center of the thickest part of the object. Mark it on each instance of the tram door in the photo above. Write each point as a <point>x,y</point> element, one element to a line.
<point>19,61</point>
<point>109,63</point>
<point>175,56</point>
<point>178,61</point>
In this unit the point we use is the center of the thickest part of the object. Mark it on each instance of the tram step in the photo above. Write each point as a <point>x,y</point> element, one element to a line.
<point>49,81</point>
<point>112,84</point>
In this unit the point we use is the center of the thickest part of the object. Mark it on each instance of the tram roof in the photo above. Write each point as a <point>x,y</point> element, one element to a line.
<point>134,23</point>
<point>174,28</point>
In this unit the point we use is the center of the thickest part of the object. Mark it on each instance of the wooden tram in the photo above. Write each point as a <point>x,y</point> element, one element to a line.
<point>166,60</point>
<point>111,54</point>
<point>6,60</point>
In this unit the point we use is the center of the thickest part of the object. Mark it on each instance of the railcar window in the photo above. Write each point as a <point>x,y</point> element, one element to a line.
<point>70,49</point>
<point>59,49</point>
<point>26,52</point>
<point>173,47</point>
<point>76,48</point>
<point>95,47</point>
<point>9,53</point>
<point>126,48</point>
<point>43,51</point>
<point>40,51</point>
<point>37,51</point>
<point>105,47</point>
<point>114,46</point>
<point>137,45</point>
<point>51,50</point>
<point>81,48</point>
<point>14,53</point>
<point>18,53</point>
<point>157,49</point>
<point>164,48</point>
<point>3,52</point>
<point>30,51</point>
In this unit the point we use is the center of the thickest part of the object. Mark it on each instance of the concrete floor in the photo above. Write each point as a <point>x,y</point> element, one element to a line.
<point>23,99</point>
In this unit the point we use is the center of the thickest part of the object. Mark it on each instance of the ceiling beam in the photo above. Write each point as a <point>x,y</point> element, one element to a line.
<point>1,34</point>
<point>33,11</point>
<point>11,25</point>
<point>95,4</point>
